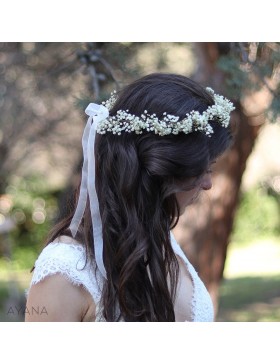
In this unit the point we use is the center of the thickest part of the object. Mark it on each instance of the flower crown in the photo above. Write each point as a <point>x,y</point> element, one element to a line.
<point>123,121</point>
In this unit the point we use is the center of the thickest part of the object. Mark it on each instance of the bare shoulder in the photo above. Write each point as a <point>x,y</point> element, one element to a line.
<point>55,298</point>
<point>67,240</point>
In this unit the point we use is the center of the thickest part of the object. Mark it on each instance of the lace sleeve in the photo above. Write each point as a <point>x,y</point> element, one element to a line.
<point>68,260</point>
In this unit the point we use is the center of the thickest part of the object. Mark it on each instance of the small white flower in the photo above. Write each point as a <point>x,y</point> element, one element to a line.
<point>170,124</point>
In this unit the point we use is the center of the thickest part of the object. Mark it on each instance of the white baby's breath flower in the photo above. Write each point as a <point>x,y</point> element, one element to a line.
<point>124,121</point>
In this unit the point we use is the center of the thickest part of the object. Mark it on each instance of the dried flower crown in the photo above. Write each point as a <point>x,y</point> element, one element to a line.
<point>123,121</point>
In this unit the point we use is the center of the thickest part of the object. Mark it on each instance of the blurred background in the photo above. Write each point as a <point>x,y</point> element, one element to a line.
<point>231,235</point>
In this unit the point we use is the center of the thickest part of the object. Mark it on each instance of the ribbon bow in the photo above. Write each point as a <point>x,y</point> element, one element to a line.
<point>96,114</point>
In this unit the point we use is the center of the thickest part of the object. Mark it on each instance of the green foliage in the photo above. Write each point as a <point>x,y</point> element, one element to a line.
<point>249,299</point>
<point>236,79</point>
<point>4,292</point>
<point>33,209</point>
<point>23,258</point>
<point>273,112</point>
<point>251,66</point>
<point>257,215</point>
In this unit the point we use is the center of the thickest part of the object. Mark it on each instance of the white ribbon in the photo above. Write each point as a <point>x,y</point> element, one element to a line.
<point>96,114</point>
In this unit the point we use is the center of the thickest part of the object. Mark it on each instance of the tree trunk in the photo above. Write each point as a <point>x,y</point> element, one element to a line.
<point>204,229</point>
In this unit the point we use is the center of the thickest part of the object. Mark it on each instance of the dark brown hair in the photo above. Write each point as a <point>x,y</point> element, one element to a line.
<point>136,177</point>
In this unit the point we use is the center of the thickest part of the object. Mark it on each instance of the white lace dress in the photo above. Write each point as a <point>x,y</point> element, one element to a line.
<point>69,260</point>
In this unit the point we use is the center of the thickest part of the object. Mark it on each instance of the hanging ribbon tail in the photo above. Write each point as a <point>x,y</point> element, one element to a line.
<point>81,206</point>
<point>96,114</point>
<point>94,205</point>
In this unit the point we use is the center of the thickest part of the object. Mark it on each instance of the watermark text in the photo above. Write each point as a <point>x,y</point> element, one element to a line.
<point>23,310</point>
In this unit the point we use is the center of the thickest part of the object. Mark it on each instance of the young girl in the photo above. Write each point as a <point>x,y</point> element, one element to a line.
<point>147,155</point>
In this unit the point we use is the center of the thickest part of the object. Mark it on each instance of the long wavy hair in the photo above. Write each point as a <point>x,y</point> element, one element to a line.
<point>136,181</point>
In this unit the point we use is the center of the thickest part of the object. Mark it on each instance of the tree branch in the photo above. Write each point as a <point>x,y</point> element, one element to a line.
<point>255,69</point>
